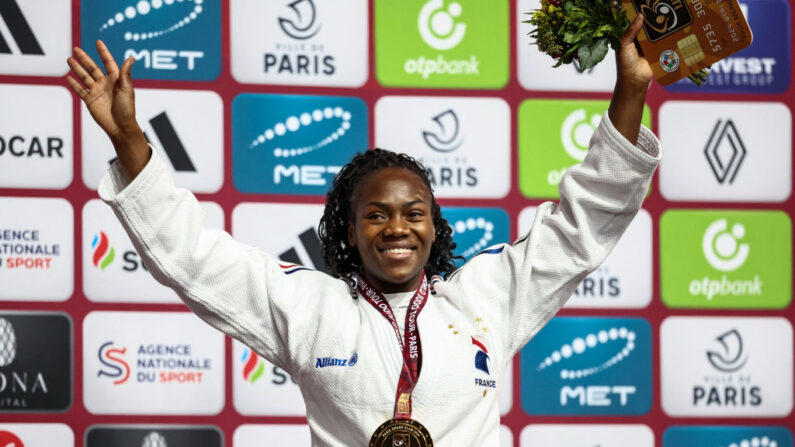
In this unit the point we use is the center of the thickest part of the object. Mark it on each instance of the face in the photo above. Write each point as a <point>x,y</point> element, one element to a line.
<point>392,228</point>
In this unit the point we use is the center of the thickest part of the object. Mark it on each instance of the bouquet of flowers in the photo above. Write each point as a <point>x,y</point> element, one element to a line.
<point>582,31</point>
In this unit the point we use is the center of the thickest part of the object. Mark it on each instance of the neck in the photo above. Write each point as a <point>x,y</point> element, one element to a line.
<point>389,287</point>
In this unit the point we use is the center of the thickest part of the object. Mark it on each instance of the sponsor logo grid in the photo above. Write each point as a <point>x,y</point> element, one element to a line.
<point>262,130</point>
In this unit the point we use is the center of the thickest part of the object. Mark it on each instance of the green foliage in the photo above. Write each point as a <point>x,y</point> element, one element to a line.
<point>580,30</point>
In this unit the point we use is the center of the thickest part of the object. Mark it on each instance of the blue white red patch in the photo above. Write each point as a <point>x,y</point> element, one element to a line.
<point>289,269</point>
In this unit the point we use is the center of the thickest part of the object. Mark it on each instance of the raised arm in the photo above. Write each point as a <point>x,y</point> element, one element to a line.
<point>110,99</point>
<point>632,82</point>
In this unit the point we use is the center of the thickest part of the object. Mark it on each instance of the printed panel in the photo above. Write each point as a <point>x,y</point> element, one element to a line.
<point>113,271</point>
<point>152,363</point>
<point>553,136</point>
<point>536,70</point>
<point>37,37</point>
<point>51,435</point>
<point>262,389</point>
<point>36,249</point>
<point>250,435</point>
<point>448,135</point>
<point>305,42</point>
<point>726,151</point>
<point>294,144</point>
<point>475,229</point>
<point>705,436</point>
<point>285,231</point>
<point>588,366</point>
<point>185,127</point>
<point>506,436</point>
<point>438,43</point>
<point>153,436</point>
<point>35,153</point>
<point>35,362</point>
<point>763,67</point>
<point>726,259</point>
<point>624,280</point>
<point>726,366</point>
<point>168,39</point>
<point>544,435</point>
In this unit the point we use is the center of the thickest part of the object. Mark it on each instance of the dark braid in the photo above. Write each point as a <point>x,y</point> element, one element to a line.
<point>344,260</point>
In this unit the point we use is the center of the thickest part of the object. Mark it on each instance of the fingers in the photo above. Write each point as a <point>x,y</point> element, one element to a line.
<point>86,61</point>
<point>80,72</point>
<point>126,73</point>
<point>632,32</point>
<point>77,88</point>
<point>107,58</point>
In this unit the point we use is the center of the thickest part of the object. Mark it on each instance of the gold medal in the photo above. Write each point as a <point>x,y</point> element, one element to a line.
<point>395,433</point>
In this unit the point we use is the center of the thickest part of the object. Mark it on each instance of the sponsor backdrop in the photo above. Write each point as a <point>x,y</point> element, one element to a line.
<point>683,337</point>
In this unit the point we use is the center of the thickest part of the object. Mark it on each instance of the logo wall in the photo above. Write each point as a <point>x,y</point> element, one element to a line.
<point>262,389</point>
<point>152,363</point>
<point>726,367</point>
<point>113,271</point>
<point>624,279</point>
<point>726,259</point>
<point>588,366</point>
<point>35,153</point>
<point>37,36</point>
<point>553,136</point>
<point>535,69</point>
<point>35,362</point>
<point>153,436</point>
<point>448,136</point>
<point>300,42</point>
<point>179,40</point>
<point>731,152</point>
<point>21,435</point>
<point>294,144</point>
<point>250,435</point>
<point>723,436</point>
<point>441,43</point>
<point>763,67</point>
<point>613,435</point>
<point>291,238</point>
<point>185,127</point>
<point>36,249</point>
<point>475,229</point>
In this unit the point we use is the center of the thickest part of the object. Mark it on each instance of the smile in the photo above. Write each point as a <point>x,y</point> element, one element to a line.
<point>396,250</point>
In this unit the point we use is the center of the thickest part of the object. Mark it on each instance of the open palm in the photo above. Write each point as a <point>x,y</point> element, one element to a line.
<point>109,98</point>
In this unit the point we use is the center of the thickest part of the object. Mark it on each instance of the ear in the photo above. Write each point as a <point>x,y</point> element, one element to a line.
<point>351,235</point>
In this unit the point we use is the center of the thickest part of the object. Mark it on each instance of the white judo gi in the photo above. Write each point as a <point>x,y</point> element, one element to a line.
<point>342,351</point>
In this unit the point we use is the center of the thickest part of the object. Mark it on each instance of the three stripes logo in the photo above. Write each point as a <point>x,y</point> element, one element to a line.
<point>21,33</point>
<point>170,142</point>
<point>312,245</point>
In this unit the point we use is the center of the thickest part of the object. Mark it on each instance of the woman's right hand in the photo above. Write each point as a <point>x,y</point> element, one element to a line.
<point>111,101</point>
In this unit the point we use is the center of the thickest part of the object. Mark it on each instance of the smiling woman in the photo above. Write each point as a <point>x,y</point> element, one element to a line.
<point>393,273</point>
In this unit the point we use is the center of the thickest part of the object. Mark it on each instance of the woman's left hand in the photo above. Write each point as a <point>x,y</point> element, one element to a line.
<point>633,70</point>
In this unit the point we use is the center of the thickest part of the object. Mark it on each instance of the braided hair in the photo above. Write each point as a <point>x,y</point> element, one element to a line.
<point>342,259</point>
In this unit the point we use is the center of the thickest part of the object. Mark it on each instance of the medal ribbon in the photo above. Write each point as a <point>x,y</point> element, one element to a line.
<point>410,344</point>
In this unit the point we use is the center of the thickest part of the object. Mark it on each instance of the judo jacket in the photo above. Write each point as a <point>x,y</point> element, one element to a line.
<point>296,317</point>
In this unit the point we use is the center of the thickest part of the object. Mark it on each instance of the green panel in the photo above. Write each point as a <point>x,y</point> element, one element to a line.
<point>442,43</point>
<point>553,136</point>
<point>726,259</point>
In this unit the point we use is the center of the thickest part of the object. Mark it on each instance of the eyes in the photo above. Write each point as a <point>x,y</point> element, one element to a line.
<point>379,216</point>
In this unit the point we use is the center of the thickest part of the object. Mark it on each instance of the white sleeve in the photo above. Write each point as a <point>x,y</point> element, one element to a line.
<point>523,285</point>
<point>237,289</point>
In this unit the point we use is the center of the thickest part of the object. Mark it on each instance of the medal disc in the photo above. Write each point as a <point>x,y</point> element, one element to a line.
<point>395,433</point>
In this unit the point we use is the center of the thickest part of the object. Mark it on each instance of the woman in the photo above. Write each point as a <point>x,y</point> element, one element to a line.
<point>353,341</point>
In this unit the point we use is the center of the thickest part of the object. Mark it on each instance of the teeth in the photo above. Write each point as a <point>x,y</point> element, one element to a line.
<point>398,250</point>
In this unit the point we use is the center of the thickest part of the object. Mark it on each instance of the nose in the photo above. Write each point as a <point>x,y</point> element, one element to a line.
<point>396,227</point>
